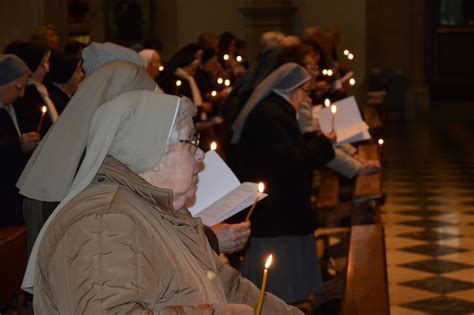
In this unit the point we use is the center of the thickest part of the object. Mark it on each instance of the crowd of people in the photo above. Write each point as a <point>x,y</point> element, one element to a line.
<point>100,152</point>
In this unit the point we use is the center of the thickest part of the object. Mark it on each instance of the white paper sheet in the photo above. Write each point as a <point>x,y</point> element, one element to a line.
<point>219,193</point>
<point>348,122</point>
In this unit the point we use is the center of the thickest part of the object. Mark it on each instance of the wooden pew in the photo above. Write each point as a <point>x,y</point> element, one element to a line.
<point>13,248</point>
<point>330,210</point>
<point>372,112</point>
<point>366,287</point>
<point>368,188</point>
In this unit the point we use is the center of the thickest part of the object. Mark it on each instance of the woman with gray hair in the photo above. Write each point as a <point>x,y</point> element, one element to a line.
<point>122,240</point>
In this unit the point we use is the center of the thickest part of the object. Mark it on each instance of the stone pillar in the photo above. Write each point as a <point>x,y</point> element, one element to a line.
<point>417,94</point>
<point>262,16</point>
<point>165,26</point>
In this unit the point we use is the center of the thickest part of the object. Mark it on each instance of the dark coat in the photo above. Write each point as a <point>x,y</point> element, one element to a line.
<point>169,87</point>
<point>12,162</point>
<point>28,111</point>
<point>59,98</point>
<point>273,150</point>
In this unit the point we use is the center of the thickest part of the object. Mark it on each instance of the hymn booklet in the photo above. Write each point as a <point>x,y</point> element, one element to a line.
<point>219,193</point>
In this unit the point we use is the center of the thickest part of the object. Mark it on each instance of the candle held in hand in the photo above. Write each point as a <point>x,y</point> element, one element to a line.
<point>327,102</point>
<point>261,188</point>
<point>258,309</point>
<point>380,148</point>
<point>178,84</point>
<point>213,146</point>
<point>44,109</point>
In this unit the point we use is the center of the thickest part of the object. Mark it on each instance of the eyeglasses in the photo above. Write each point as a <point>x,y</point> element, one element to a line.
<point>194,142</point>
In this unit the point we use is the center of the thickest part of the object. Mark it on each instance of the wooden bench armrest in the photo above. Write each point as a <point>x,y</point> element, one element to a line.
<point>366,288</point>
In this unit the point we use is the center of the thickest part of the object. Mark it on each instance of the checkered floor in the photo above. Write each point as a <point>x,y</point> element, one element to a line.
<point>429,216</point>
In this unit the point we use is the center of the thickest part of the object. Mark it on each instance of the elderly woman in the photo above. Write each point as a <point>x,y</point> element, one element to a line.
<point>28,108</point>
<point>273,150</point>
<point>15,147</point>
<point>152,61</point>
<point>122,241</point>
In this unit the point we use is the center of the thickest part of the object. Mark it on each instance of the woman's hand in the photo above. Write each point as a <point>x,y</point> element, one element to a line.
<point>232,237</point>
<point>369,167</point>
<point>332,137</point>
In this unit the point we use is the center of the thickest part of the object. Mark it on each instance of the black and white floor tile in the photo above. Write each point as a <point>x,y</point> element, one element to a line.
<point>429,217</point>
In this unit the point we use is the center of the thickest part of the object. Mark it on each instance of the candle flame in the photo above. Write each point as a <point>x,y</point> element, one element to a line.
<point>226,57</point>
<point>238,58</point>
<point>227,82</point>
<point>327,102</point>
<point>325,71</point>
<point>333,109</point>
<point>269,261</point>
<point>220,80</point>
<point>380,141</point>
<point>213,146</point>
<point>213,93</point>
<point>178,83</point>
<point>161,68</point>
<point>352,81</point>
<point>329,72</point>
<point>346,52</point>
<point>350,56</point>
<point>261,187</point>
<point>44,109</point>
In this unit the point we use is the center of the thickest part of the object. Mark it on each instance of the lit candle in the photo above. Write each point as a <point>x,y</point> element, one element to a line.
<point>227,82</point>
<point>213,146</point>
<point>161,68</point>
<point>226,57</point>
<point>327,102</point>
<point>325,72</point>
<point>178,84</point>
<point>44,109</point>
<point>238,58</point>
<point>214,93</point>
<point>333,111</point>
<point>258,309</point>
<point>350,56</point>
<point>352,81</point>
<point>346,52</point>
<point>220,80</point>
<point>329,72</point>
<point>261,188</point>
<point>380,148</point>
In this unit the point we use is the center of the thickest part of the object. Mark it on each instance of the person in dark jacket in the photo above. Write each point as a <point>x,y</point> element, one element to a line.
<point>63,79</point>
<point>29,108</point>
<point>272,149</point>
